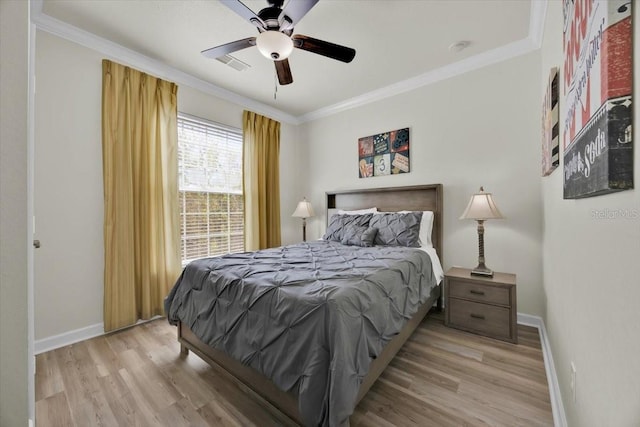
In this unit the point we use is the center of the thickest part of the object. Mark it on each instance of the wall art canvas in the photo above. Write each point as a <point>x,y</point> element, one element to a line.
<point>550,125</point>
<point>597,84</point>
<point>384,154</point>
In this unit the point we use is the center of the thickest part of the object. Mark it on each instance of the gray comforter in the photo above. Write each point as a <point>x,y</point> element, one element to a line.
<point>310,316</point>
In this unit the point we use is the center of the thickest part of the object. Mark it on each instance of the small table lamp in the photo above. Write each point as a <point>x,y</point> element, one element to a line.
<point>304,211</point>
<point>481,207</point>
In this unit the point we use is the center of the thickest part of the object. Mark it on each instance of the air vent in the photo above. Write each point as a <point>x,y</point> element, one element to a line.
<point>234,62</point>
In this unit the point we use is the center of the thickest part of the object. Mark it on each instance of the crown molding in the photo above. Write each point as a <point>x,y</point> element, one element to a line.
<point>484,59</point>
<point>532,42</point>
<point>130,57</point>
<point>537,18</point>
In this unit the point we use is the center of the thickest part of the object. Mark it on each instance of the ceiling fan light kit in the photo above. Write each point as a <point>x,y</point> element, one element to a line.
<point>276,40</point>
<point>274,45</point>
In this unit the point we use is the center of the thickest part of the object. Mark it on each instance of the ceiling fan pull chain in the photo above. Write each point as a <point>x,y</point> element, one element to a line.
<point>275,86</point>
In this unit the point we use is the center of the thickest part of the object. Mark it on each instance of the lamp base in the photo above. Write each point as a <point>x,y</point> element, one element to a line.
<point>304,229</point>
<point>482,270</point>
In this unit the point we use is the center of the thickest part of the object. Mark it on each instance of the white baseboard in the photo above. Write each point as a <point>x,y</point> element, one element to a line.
<point>67,338</point>
<point>557,407</point>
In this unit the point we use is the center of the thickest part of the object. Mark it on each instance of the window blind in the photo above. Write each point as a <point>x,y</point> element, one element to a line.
<point>210,185</point>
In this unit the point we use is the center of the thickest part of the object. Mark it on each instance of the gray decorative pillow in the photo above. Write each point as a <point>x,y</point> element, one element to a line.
<point>359,235</point>
<point>339,223</point>
<point>397,229</point>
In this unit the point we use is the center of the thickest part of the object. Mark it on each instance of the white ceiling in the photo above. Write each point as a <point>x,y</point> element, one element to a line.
<point>396,41</point>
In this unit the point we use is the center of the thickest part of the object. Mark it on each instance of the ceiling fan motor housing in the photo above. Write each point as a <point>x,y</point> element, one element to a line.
<point>270,16</point>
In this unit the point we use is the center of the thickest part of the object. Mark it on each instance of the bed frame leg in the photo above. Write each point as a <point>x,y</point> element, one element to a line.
<point>184,351</point>
<point>439,304</point>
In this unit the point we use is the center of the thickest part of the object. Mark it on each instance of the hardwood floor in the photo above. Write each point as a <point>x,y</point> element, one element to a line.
<point>441,377</point>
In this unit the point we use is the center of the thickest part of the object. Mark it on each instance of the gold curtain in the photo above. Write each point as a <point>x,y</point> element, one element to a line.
<point>141,216</point>
<point>261,169</point>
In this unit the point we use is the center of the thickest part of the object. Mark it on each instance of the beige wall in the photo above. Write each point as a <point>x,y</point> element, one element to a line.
<point>13,213</point>
<point>480,128</point>
<point>591,280</point>
<point>68,182</point>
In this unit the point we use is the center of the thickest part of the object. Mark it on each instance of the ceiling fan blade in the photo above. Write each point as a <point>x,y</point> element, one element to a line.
<point>284,72</point>
<point>321,47</point>
<point>241,9</point>
<point>295,10</point>
<point>218,51</point>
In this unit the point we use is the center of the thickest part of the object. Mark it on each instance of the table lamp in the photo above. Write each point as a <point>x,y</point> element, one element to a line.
<point>304,211</point>
<point>481,207</point>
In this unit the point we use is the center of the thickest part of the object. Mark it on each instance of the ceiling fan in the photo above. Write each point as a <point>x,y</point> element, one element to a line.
<point>275,40</point>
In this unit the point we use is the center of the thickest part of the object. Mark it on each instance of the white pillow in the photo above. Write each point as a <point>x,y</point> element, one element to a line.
<point>426,227</point>
<point>358,212</point>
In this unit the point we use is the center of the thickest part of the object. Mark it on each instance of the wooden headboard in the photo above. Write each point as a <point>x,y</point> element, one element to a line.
<point>393,199</point>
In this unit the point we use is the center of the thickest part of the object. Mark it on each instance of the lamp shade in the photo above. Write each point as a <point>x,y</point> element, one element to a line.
<point>274,45</point>
<point>481,207</point>
<point>303,210</point>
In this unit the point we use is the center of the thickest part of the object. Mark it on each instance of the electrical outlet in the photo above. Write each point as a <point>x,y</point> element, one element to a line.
<point>573,382</point>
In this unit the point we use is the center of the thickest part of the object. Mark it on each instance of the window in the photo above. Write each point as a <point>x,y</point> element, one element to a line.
<point>210,186</point>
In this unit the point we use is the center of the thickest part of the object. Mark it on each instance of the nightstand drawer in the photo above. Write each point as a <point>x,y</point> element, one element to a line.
<point>478,292</point>
<point>486,319</point>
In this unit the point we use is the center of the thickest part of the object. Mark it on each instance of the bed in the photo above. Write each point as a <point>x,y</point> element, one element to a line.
<point>328,345</point>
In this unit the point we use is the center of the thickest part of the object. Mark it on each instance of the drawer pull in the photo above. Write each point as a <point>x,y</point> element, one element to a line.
<point>472,291</point>
<point>477,316</point>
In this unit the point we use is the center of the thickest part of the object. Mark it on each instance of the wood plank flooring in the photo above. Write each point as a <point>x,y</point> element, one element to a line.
<point>441,377</point>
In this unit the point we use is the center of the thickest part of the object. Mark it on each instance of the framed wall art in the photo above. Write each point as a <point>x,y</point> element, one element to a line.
<point>384,154</point>
<point>597,83</point>
<point>550,125</point>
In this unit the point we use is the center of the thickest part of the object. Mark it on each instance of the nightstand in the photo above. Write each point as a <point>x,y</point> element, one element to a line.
<point>482,305</point>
